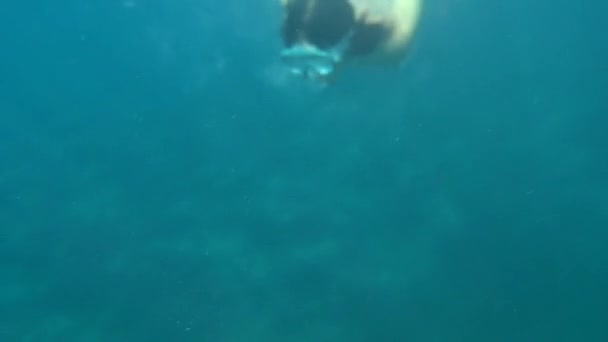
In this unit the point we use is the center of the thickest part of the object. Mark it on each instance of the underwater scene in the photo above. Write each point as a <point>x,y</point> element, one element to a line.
<point>240,171</point>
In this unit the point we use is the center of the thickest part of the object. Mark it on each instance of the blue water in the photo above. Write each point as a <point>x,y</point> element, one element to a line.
<point>161,179</point>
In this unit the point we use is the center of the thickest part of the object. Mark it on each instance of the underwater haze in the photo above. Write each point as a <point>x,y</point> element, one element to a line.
<point>162,178</point>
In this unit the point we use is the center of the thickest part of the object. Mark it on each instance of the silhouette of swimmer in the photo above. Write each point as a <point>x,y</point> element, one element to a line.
<point>321,36</point>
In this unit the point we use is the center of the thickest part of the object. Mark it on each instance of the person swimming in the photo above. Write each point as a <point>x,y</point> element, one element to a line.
<point>320,36</point>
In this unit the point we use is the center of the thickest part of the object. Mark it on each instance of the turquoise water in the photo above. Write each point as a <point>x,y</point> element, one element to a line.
<point>162,180</point>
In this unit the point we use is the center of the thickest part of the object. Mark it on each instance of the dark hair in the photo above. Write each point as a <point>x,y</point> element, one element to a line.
<point>323,23</point>
<point>295,12</point>
<point>367,37</point>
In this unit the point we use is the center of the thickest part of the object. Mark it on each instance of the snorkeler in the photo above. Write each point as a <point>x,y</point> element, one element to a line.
<point>322,36</point>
